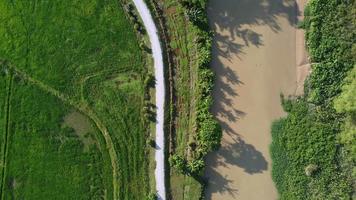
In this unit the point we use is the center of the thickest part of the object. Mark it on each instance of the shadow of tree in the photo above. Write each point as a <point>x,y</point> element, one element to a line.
<point>224,93</point>
<point>234,15</point>
<point>243,155</point>
<point>237,18</point>
<point>219,184</point>
<point>238,154</point>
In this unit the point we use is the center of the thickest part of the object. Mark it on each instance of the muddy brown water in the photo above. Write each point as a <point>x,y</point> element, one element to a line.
<point>254,58</point>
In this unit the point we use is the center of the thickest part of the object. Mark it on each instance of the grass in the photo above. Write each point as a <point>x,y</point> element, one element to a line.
<point>6,94</point>
<point>82,56</point>
<point>45,159</point>
<point>195,131</point>
<point>126,121</point>
<point>63,43</point>
<point>181,34</point>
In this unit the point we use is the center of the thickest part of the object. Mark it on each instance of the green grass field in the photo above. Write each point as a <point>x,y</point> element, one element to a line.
<point>45,158</point>
<point>4,85</point>
<point>74,122</point>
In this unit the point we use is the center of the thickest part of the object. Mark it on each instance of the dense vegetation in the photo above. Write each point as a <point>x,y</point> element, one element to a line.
<point>82,56</point>
<point>346,104</point>
<point>208,132</point>
<point>195,130</point>
<point>313,148</point>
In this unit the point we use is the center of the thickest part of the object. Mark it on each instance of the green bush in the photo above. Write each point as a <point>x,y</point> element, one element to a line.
<point>151,196</point>
<point>209,132</point>
<point>179,163</point>
<point>302,138</point>
<point>313,147</point>
<point>346,103</point>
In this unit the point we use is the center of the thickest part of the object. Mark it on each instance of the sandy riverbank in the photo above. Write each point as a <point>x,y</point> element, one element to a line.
<point>255,57</point>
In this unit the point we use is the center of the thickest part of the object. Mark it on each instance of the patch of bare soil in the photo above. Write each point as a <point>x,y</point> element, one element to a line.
<point>82,127</point>
<point>302,59</point>
<point>254,58</point>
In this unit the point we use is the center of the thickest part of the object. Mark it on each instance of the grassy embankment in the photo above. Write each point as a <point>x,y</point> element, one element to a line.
<point>73,57</point>
<point>195,131</point>
<point>313,148</point>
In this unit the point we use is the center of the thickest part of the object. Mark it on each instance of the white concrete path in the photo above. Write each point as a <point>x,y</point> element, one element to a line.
<point>160,94</point>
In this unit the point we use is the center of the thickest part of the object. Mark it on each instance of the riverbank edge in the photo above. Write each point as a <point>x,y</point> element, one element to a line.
<point>170,107</point>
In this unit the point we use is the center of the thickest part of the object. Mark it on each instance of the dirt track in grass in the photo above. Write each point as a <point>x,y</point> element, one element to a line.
<point>255,59</point>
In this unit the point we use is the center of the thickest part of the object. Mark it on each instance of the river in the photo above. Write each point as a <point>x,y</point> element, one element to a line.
<point>254,58</point>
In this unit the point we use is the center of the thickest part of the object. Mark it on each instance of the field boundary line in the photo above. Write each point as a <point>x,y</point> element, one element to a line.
<point>6,136</point>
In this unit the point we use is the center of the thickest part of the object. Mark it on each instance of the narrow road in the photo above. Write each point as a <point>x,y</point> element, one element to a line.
<point>160,94</point>
<point>254,58</point>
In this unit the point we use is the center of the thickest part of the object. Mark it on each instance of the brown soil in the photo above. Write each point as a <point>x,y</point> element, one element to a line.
<point>302,61</point>
<point>82,127</point>
<point>255,60</point>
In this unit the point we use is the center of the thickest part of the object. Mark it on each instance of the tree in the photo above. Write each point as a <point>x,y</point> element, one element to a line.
<point>179,163</point>
<point>196,166</point>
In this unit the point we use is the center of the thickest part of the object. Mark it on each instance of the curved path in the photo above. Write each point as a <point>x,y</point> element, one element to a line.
<point>254,58</point>
<point>160,94</point>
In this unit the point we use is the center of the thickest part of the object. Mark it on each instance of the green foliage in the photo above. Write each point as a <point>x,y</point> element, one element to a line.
<point>330,35</point>
<point>209,132</point>
<point>196,166</point>
<point>178,162</point>
<point>151,196</point>
<point>301,139</point>
<point>313,147</point>
<point>195,10</point>
<point>152,143</point>
<point>346,103</point>
<point>325,81</point>
<point>197,132</point>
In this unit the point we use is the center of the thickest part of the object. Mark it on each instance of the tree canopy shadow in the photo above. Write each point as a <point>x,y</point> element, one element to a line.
<point>224,95</point>
<point>220,184</point>
<point>240,154</point>
<point>244,155</point>
<point>237,16</point>
<point>233,23</point>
